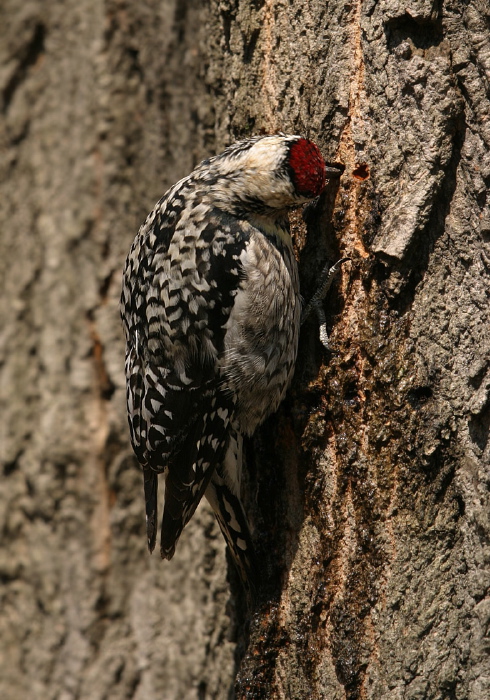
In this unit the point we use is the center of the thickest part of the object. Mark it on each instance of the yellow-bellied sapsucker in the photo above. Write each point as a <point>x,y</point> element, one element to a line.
<point>211,311</point>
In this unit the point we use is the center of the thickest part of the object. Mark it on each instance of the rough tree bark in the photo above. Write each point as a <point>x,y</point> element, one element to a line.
<point>369,489</point>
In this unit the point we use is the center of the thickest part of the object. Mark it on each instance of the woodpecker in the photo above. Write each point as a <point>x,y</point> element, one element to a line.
<point>211,312</point>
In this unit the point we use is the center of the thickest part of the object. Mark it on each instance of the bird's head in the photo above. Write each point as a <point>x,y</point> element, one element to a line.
<point>273,172</point>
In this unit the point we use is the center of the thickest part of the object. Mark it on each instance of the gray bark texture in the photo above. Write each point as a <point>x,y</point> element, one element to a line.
<point>369,490</point>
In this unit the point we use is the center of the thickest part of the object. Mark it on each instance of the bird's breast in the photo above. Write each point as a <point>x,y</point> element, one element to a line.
<point>261,337</point>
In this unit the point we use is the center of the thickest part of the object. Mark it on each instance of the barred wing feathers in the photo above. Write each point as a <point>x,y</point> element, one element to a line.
<point>178,408</point>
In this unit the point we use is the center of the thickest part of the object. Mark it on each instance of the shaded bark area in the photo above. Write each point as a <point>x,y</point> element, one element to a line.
<point>369,489</point>
<point>100,102</point>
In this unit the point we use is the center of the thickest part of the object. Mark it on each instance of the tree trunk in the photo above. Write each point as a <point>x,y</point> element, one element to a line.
<point>369,489</point>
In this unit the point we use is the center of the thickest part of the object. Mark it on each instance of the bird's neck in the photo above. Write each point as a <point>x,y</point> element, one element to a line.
<point>275,227</point>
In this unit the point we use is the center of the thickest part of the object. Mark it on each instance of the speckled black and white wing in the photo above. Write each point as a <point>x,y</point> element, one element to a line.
<point>180,280</point>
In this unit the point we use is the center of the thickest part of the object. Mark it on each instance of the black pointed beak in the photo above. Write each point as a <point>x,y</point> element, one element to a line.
<point>333,170</point>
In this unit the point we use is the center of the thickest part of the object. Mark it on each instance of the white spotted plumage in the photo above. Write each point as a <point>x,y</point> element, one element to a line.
<point>211,312</point>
